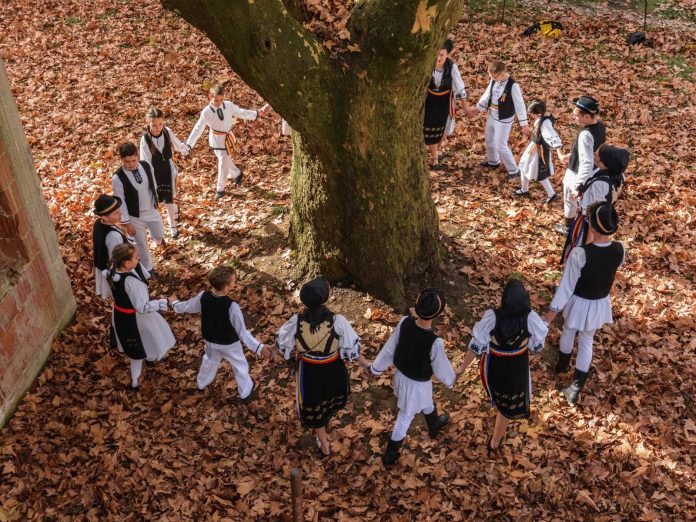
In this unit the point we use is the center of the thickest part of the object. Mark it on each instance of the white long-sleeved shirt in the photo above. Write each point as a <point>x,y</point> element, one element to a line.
<point>193,306</point>
<point>139,295</point>
<point>442,368</point>
<point>146,199</point>
<point>209,118</point>
<point>494,92</point>
<point>585,158</point>
<point>158,142</point>
<point>481,333</point>
<point>348,339</point>
<point>571,274</point>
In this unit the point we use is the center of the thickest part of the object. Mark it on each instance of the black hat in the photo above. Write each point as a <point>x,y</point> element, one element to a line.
<point>587,104</point>
<point>615,159</point>
<point>315,293</point>
<point>106,204</point>
<point>604,218</point>
<point>430,303</point>
<point>448,45</point>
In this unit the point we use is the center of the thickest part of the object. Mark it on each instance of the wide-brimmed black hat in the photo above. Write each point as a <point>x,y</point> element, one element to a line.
<point>587,104</point>
<point>604,218</point>
<point>315,292</point>
<point>106,204</point>
<point>430,303</point>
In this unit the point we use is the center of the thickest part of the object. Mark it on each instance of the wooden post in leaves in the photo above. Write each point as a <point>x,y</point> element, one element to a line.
<point>645,17</point>
<point>502,16</point>
<point>296,495</point>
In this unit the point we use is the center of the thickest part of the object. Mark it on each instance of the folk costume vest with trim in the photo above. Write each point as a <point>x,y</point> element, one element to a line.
<point>599,134</point>
<point>506,105</point>
<point>161,164</point>
<point>216,326</point>
<point>130,193</point>
<point>543,149</point>
<point>322,342</point>
<point>125,318</point>
<point>597,276</point>
<point>412,353</point>
<point>101,252</point>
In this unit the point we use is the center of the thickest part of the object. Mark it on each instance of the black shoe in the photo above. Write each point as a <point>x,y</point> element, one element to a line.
<point>435,423</point>
<point>391,454</point>
<point>219,194</point>
<point>551,199</point>
<point>150,363</point>
<point>513,175</point>
<point>238,179</point>
<point>563,362</point>
<point>521,193</point>
<point>175,232</point>
<point>251,395</point>
<point>572,392</point>
<point>488,165</point>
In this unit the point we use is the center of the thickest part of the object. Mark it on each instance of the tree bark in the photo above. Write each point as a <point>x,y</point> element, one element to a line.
<point>361,208</point>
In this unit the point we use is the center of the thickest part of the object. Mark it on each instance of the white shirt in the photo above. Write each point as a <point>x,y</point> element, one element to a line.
<point>494,92</point>
<point>209,118</point>
<point>158,142</point>
<point>146,199</point>
<point>585,158</point>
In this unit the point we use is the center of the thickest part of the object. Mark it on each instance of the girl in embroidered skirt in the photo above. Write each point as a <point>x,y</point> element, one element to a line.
<point>141,332</point>
<point>502,339</point>
<point>156,146</point>
<point>321,341</point>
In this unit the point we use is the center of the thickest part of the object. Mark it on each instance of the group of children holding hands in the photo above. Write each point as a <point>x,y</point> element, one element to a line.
<point>320,342</point>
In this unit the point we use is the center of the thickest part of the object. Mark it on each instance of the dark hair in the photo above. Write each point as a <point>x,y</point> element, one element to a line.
<point>154,113</point>
<point>220,276</point>
<point>217,90</point>
<point>120,254</point>
<point>537,107</point>
<point>497,67</point>
<point>588,113</point>
<point>127,149</point>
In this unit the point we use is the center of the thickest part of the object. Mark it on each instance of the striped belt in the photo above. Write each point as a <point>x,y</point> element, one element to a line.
<point>323,360</point>
<point>509,353</point>
<point>124,310</point>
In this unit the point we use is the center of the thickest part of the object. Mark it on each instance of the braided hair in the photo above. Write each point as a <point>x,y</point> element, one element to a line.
<point>121,253</point>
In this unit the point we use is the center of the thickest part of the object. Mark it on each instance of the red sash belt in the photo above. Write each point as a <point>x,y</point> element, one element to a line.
<point>124,310</point>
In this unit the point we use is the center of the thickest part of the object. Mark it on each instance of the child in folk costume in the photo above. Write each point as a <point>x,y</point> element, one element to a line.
<point>445,89</point>
<point>141,332</point>
<point>418,354</point>
<point>321,341</point>
<point>156,146</point>
<point>581,159</point>
<point>134,183</point>
<point>219,116</point>
<point>503,339</point>
<point>503,101</point>
<point>537,161</point>
<point>603,186</point>
<point>583,294</point>
<point>222,326</point>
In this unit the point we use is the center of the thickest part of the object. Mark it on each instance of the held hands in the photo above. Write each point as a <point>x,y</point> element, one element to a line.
<point>171,299</point>
<point>263,111</point>
<point>564,157</point>
<point>471,112</point>
<point>549,316</point>
<point>163,305</point>
<point>527,131</point>
<point>130,229</point>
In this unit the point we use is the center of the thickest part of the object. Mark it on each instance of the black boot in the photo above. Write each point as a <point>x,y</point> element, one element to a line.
<point>435,423</point>
<point>571,392</point>
<point>563,362</point>
<point>391,454</point>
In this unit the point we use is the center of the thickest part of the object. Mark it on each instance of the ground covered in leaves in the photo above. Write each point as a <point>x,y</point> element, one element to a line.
<point>81,446</point>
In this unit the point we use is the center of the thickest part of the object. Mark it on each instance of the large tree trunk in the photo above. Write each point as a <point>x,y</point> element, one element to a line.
<point>361,200</point>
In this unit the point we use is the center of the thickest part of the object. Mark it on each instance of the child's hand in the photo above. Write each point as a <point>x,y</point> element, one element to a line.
<point>263,111</point>
<point>527,131</point>
<point>548,317</point>
<point>171,299</point>
<point>564,157</point>
<point>130,229</point>
<point>265,352</point>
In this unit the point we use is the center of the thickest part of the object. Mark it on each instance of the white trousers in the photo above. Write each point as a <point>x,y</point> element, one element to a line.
<point>172,214</point>
<point>524,185</point>
<point>234,355</point>
<point>571,205</point>
<point>156,228</point>
<point>403,423</point>
<point>497,135</point>
<point>136,367</point>
<point>585,339</point>
<point>226,169</point>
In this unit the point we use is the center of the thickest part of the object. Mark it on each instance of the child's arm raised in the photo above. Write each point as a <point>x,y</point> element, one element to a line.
<point>191,306</point>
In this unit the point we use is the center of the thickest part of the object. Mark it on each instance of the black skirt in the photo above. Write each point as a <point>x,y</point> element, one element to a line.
<point>322,390</point>
<point>126,329</point>
<point>505,376</point>
<point>164,178</point>
<point>437,109</point>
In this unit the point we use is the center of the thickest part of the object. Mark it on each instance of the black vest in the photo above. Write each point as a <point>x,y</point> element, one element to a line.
<point>446,82</point>
<point>506,105</point>
<point>597,276</point>
<point>118,291</point>
<point>130,193</point>
<point>215,319</point>
<point>544,150</point>
<point>599,133</point>
<point>166,153</point>
<point>412,353</point>
<point>101,253</point>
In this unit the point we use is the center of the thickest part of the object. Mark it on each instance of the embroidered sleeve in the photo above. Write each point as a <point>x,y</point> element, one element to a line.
<point>237,320</point>
<point>137,291</point>
<point>190,306</point>
<point>286,338</point>
<point>385,358</point>
<point>442,368</point>
<point>571,274</point>
<point>537,332</point>
<point>348,339</point>
<point>458,83</point>
<point>550,135</point>
<point>481,333</point>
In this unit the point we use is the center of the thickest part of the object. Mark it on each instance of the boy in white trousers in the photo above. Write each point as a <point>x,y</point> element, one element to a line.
<point>503,101</point>
<point>219,116</point>
<point>222,325</point>
<point>134,183</point>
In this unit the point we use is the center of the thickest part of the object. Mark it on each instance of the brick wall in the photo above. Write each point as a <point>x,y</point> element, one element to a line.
<point>36,300</point>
